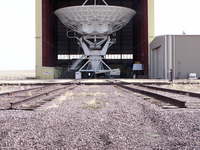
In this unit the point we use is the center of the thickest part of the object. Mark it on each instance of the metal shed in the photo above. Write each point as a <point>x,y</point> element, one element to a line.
<point>174,56</point>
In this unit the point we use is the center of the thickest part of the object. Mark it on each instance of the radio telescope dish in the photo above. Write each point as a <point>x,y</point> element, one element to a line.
<point>95,19</point>
<point>94,24</point>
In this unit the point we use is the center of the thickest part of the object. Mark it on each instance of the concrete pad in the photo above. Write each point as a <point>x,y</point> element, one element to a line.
<point>18,82</point>
<point>96,81</point>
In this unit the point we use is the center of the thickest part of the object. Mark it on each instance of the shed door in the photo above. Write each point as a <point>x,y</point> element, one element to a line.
<point>157,70</point>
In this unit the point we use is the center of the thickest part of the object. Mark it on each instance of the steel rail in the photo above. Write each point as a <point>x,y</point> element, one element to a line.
<point>26,90</point>
<point>19,91</point>
<point>12,105</point>
<point>174,101</point>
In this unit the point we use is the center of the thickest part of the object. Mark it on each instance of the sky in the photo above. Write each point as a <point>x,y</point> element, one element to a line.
<point>17,34</point>
<point>177,16</point>
<point>17,28</point>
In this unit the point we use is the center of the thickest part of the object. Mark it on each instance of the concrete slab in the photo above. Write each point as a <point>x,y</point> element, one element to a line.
<point>95,81</point>
<point>34,82</point>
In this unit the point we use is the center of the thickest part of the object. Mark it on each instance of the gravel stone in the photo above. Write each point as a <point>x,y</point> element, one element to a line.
<point>100,117</point>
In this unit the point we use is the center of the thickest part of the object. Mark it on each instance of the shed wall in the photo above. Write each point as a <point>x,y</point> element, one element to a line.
<point>176,53</point>
<point>187,55</point>
<point>157,58</point>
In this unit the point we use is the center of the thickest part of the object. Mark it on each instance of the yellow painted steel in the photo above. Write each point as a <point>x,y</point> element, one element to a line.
<point>41,71</point>
<point>151,20</point>
<point>38,40</point>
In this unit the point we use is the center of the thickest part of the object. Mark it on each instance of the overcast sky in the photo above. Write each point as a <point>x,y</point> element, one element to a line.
<point>17,27</point>
<point>176,16</point>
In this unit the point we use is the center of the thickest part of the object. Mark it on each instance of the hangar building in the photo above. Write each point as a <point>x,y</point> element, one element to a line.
<point>55,53</point>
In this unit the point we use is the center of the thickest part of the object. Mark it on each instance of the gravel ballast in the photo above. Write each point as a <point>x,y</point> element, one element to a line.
<point>100,117</point>
<point>184,87</point>
<point>10,88</point>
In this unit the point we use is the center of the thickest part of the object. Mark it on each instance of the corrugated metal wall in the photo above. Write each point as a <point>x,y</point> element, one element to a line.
<point>176,53</point>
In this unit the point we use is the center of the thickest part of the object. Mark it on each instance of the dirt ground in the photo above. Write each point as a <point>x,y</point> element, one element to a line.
<point>184,87</point>
<point>17,75</point>
<point>100,117</point>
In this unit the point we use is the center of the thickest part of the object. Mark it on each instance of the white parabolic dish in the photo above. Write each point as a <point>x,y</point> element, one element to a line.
<point>95,19</point>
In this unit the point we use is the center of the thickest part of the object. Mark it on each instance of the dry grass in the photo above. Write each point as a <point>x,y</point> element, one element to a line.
<point>17,75</point>
<point>185,87</point>
<point>94,104</point>
<point>57,101</point>
<point>9,88</point>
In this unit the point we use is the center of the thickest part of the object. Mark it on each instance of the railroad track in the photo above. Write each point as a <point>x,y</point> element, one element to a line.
<point>19,91</point>
<point>30,99</point>
<point>187,93</point>
<point>168,98</point>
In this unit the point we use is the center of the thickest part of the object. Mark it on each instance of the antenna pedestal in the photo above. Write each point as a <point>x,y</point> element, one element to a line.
<point>95,48</point>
